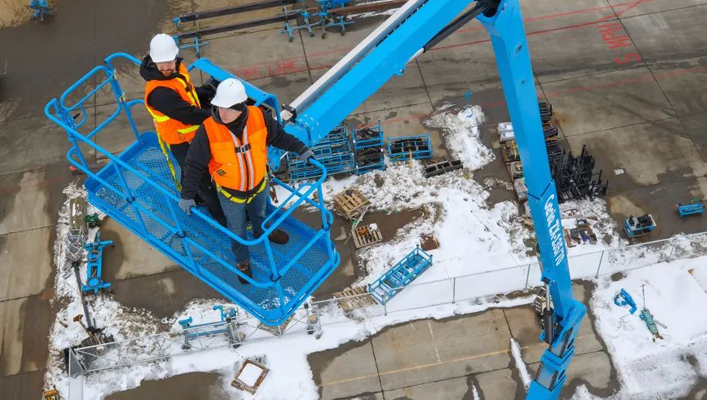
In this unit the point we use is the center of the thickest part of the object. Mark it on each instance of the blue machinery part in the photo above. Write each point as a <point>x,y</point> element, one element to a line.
<point>624,299</point>
<point>134,187</point>
<point>696,207</point>
<point>639,226</point>
<point>225,326</point>
<point>400,275</point>
<point>94,267</point>
<point>325,19</point>
<point>40,9</point>
<point>647,317</point>
<point>333,151</point>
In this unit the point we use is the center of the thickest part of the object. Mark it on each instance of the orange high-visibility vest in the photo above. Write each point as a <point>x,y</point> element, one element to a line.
<point>170,130</point>
<point>239,164</point>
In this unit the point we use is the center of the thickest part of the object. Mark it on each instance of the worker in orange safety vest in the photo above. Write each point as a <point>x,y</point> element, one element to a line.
<point>176,109</point>
<point>232,146</point>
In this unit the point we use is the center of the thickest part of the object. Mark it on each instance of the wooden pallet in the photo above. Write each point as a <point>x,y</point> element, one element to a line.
<point>366,235</point>
<point>276,330</point>
<point>351,203</point>
<point>242,384</point>
<point>354,298</point>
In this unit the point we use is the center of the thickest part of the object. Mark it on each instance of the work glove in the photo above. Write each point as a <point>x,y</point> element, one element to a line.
<point>186,205</point>
<point>307,155</point>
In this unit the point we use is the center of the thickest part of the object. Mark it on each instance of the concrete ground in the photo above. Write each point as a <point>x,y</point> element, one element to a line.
<point>625,78</point>
<point>443,359</point>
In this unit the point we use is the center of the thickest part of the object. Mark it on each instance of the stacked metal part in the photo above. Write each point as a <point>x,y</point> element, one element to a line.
<point>368,149</point>
<point>334,151</point>
<point>410,147</point>
<point>574,176</point>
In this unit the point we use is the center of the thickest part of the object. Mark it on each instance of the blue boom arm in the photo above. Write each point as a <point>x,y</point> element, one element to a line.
<point>414,28</point>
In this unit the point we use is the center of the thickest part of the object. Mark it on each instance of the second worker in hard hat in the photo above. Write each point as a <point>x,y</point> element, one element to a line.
<point>176,109</point>
<point>232,146</point>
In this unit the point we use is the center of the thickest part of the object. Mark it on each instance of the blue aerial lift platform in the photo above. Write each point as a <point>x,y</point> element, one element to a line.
<point>135,187</point>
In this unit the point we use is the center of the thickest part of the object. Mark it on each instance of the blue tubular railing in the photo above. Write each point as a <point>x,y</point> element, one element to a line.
<point>119,188</point>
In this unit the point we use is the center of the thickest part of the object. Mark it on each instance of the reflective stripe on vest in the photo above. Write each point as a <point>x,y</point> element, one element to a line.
<point>238,164</point>
<point>170,130</point>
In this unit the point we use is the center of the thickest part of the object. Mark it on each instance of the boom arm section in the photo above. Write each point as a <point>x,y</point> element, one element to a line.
<point>413,29</point>
<point>514,67</point>
<point>369,66</point>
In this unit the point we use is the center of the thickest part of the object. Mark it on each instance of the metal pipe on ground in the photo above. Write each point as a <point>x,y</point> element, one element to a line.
<point>240,25</point>
<point>234,10</point>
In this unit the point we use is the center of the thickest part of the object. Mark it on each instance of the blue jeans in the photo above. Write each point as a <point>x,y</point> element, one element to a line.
<point>236,220</point>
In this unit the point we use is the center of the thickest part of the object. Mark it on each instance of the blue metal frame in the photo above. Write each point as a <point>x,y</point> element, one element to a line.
<point>400,275</point>
<point>94,266</point>
<point>634,231</point>
<point>367,143</point>
<point>695,207</point>
<point>196,45</point>
<point>215,328</point>
<point>405,155</point>
<point>40,9</point>
<point>334,152</point>
<point>323,21</point>
<point>119,189</point>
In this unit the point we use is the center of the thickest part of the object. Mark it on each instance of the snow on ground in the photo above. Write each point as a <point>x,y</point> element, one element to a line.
<point>290,376</point>
<point>650,368</point>
<point>520,364</point>
<point>474,238</point>
<point>456,212</point>
<point>462,137</point>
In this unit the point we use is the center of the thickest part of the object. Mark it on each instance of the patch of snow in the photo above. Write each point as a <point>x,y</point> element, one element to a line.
<point>475,392</point>
<point>461,133</point>
<point>250,374</point>
<point>675,298</point>
<point>290,375</point>
<point>700,275</point>
<point>520,364</point>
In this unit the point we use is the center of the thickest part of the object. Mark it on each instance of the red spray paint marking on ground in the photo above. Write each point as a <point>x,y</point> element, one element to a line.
<point>289,65</point>
<point>614,40</point>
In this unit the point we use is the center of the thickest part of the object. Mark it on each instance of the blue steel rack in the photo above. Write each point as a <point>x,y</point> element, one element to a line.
<point>368,149</point>
<point>334,152</point>
<point>418,147</point>
<point>136,189</point>
<point>94,267</point>
<point>400,275</point>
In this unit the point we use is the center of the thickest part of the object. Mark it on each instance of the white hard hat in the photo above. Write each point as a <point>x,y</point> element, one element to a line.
<point>229,93</point>
<point>163,48</point>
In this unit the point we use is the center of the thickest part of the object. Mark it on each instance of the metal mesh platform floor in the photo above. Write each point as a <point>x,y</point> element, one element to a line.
<point>299,281</point>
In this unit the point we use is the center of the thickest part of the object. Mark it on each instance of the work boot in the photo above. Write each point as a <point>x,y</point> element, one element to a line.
<point>278,236</point>
<point>245,268</point>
